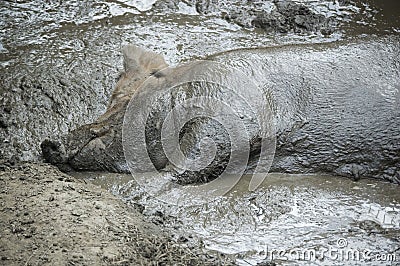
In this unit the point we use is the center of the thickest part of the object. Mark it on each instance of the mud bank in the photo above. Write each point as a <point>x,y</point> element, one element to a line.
<point>50,218</point>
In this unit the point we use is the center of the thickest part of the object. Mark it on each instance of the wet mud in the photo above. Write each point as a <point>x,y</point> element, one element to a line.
<point>50,218</point>
<point>288,213</point>
<point>59,63</point>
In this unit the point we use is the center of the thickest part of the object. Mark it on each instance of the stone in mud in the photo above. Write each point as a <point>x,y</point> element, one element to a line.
<point>272,16</point>
<point>336,110</point>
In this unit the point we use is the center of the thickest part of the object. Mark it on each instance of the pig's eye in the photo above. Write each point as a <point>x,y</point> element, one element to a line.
<point>157,74</point>
<point>119,77</point>
<point>93,133</point>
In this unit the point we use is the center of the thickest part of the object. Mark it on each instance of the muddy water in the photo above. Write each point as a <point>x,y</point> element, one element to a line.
<point>289,218</point>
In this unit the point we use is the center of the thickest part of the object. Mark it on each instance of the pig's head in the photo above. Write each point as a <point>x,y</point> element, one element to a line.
<point>98,146</point>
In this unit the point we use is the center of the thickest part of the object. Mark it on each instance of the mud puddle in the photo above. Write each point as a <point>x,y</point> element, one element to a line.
<point>291,218</point>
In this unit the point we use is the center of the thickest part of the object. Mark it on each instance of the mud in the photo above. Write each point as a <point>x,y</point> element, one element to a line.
<point>275,16</point>
<point>50,218</point>
<point>60,61</point>
<point>288,213</point>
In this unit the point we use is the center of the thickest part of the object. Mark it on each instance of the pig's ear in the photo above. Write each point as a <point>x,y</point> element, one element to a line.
<point>138,60</point>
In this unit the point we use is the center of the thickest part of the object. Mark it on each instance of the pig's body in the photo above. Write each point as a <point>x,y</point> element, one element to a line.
<point>336,108</point>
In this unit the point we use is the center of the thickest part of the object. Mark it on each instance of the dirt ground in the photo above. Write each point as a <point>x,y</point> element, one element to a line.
<point>50,218</point>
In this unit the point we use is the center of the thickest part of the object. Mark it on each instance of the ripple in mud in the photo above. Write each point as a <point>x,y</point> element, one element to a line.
<point>289,212</point>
